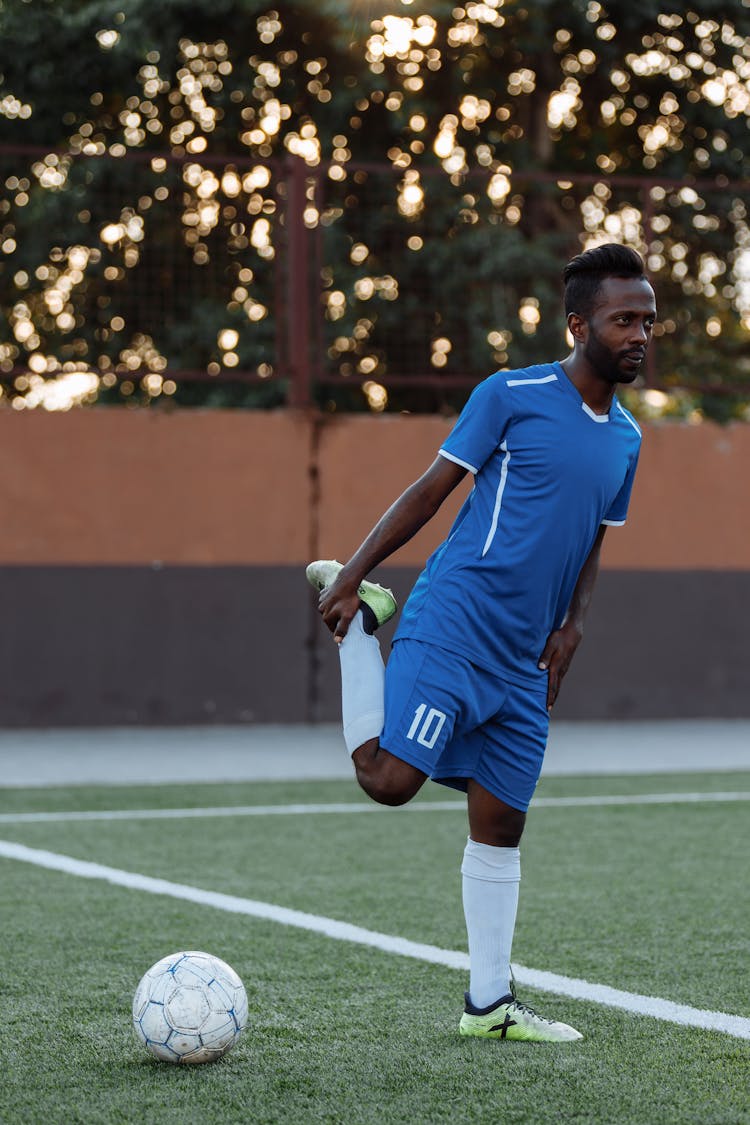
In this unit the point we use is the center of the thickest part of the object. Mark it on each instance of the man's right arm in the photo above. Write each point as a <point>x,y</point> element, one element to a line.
<point>413,509</point>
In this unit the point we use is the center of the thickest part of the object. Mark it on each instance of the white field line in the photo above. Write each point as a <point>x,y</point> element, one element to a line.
<point>360,807</point>
<point>737,1026</point>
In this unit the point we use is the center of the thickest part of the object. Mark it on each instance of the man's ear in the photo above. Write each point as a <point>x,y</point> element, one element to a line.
<point>577,326</point>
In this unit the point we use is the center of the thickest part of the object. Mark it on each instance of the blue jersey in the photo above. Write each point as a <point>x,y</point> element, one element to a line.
<point>548,472</point>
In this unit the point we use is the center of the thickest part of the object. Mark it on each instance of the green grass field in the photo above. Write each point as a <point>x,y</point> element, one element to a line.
<point>649,898</point>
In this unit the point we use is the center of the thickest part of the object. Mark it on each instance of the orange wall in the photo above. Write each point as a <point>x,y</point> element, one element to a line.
<point>198,487</point>
<point>126,486</point>
<point>691,501</point>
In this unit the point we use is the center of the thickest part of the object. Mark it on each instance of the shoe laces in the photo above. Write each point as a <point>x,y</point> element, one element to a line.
<point>520,1006</point>
<point>526,1010</point>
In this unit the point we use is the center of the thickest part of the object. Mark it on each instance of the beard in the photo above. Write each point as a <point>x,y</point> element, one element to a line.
<point>614,367</point>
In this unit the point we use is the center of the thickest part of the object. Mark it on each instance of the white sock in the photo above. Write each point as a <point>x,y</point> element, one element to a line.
<point>362,685</point>
<point>491,878</point>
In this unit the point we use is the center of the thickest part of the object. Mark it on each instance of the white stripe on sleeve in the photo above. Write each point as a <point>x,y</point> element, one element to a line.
<point>530,382</point>
<point>457,461</point>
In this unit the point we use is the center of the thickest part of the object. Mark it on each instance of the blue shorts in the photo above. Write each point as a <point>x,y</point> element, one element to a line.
<point>455,721</point>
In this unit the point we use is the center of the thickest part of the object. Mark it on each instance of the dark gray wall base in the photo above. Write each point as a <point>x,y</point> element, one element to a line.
<point>97,646</point>
<point>92,646</point>
<point>663,645</point>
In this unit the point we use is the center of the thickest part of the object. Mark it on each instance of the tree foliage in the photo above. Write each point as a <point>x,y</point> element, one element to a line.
<point>152,227</point>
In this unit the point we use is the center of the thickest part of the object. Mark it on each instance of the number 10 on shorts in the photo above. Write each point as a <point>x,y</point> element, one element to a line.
<point>426,728</point>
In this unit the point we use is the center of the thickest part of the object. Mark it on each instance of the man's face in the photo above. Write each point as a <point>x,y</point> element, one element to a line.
<point>618,331</point>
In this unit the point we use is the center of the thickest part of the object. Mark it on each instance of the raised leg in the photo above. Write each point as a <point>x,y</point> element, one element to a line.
<point>384,777</point>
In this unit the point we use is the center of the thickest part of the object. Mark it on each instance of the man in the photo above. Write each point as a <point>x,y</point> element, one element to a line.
<point>493,621</point>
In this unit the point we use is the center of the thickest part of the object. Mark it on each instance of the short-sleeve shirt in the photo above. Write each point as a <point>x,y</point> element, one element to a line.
<point>548,472</point>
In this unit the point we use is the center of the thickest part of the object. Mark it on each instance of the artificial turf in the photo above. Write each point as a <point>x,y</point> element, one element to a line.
<point>650,898</point>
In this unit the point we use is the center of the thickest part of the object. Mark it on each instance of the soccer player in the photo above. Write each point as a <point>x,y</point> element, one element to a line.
<point>496,615</point>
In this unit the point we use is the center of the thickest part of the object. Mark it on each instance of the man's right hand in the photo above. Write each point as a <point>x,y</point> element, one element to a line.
<point>338,604</point>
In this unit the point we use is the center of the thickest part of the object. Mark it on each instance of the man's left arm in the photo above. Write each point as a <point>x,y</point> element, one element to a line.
<point>562,644</point>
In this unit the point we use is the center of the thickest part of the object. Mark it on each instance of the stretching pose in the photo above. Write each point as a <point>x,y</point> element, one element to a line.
<point>496,615</point>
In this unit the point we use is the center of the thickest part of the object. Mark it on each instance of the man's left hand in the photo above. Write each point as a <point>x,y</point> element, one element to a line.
<point>558,653</point>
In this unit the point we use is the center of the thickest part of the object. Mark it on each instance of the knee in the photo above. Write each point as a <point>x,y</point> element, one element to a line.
<point>385,790</point>
<point>386,779</point>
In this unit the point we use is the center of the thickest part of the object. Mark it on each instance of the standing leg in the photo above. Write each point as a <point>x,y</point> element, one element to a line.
<point>491,875</point>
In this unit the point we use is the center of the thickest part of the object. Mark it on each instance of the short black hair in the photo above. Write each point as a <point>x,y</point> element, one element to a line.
<point>584,274</point>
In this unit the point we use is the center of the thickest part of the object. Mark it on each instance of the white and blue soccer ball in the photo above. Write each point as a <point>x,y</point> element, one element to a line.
<point>190,1007</point>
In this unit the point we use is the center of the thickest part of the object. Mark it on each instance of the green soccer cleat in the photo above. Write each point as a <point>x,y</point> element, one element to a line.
<point>510,1019</point>
<point>377,599</point>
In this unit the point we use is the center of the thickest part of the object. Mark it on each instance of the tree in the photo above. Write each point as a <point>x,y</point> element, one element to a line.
<point>453,158</point>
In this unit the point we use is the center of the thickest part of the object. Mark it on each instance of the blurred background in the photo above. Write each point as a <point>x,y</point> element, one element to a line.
<point>252,261</point>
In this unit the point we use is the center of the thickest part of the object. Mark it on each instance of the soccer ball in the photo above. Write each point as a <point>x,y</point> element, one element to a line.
<point>189,1008</point>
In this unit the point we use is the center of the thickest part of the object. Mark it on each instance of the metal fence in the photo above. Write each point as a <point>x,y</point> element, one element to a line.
<point>270,281</point>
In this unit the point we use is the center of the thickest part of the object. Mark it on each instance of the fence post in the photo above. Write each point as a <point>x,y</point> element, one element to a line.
<point>297,317</point>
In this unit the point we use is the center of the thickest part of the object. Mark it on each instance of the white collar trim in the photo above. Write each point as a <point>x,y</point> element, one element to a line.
<point>593,414</point>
